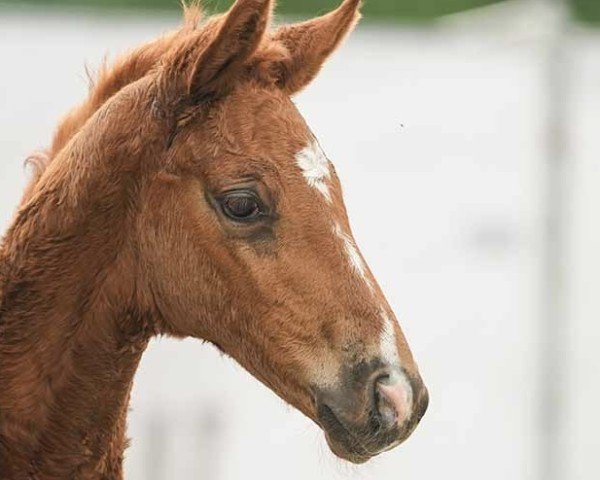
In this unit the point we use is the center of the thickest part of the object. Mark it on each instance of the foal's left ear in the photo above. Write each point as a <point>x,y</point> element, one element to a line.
<point>241,31</point>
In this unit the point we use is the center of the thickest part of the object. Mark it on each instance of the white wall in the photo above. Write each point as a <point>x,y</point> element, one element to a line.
<point>582,420</point>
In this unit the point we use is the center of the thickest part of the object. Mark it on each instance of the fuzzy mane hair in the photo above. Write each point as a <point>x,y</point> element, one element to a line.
<point>103,85</point>
<point>136,64</point>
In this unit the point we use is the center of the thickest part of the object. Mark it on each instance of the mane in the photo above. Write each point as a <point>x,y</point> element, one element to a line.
<point>136,64</point>
<point>108,81</point>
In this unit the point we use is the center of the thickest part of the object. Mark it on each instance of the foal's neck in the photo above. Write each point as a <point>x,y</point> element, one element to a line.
<point>72,328</point>
<point>66,379</point>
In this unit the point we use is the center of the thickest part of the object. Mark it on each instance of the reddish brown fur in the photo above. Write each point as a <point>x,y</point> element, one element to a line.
<point>110,80</point>
<point>114,242</point>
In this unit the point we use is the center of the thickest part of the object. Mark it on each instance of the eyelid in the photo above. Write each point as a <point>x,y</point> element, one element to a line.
<point>237,183</point>
<point>238,190</point>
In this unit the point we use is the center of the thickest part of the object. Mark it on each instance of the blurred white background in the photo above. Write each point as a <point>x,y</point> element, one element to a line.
<point>447,125</point>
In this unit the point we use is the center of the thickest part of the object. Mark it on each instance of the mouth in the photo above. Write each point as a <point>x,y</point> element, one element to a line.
<point>364,437</point>
<point>340,440</point>
<point>358,444</point>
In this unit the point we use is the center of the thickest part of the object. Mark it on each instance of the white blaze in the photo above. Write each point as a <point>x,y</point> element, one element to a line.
<point>315,168</point>
<point>356,261</point>
<point>387,341</point>
<point>388,350</point>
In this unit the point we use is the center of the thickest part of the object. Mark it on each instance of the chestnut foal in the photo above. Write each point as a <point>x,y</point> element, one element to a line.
<point>187,197</point>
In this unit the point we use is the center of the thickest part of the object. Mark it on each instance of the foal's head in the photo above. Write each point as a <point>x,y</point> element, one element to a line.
<point>245,237</point>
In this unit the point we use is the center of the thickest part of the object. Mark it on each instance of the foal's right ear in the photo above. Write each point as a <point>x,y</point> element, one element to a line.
<point>209,66</point>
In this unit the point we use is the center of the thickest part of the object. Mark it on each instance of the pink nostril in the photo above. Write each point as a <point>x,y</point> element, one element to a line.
<point>395,401</point>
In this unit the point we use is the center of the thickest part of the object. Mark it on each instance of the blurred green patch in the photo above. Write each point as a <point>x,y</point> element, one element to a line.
<point>380,9</point>
<point>390,10</point>
<point>587,10</point>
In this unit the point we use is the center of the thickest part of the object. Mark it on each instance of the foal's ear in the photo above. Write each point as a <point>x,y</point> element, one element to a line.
<point>311,43</point>
<point>239,35</point>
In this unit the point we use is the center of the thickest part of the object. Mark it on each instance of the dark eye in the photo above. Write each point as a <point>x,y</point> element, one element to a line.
<point>242,206</point>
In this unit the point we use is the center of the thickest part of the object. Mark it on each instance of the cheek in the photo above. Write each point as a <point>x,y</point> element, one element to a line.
<point>180,282</point>
<point>175,254</point>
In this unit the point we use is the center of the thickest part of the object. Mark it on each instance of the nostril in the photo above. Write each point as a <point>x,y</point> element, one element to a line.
<point>393,399</point>
<point>375,394</point>
<point>385,411</point>
<point>385,414</point>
